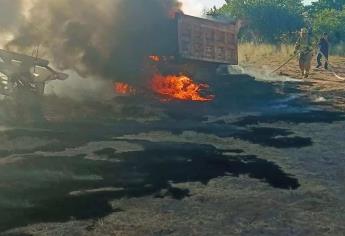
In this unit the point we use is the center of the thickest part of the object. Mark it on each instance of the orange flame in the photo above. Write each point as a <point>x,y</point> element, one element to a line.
<point>123,88</point>
<point>155,58</point>
<point>179,87</point>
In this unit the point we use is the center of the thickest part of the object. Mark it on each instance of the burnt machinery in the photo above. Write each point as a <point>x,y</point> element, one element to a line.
<point>22,73</point>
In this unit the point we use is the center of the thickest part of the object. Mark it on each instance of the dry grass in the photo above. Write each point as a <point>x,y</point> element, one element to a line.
<point>251,53</point>
<point>338,50</point>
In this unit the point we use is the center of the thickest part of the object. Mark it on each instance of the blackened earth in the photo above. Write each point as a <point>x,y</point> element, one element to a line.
<point>250,139</point>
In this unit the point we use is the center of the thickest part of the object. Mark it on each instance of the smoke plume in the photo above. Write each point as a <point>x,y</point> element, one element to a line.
<point>110,39</point>
<point>10,14</point>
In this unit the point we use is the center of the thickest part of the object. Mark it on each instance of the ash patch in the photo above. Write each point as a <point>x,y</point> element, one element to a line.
<point>274,137</point>
<point>151,172</point>
<point>294,118</point>
<point>179,163</point>
<point>264,136</point>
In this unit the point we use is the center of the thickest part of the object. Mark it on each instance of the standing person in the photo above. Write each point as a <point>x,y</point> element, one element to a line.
<point>323,48</point>
<point>304,49</point>
<point>308,23</point>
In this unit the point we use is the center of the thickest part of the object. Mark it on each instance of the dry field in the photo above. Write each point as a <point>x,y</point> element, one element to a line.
<point>322,85</point>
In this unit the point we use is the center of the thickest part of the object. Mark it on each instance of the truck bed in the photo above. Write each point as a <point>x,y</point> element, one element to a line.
<point>207,40</point>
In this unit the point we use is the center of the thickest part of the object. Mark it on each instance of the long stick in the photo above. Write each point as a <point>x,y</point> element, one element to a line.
<point>286,62</point>
<point>292,57</point>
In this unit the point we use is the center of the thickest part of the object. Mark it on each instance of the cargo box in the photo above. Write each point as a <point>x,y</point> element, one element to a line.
<point>207,40</point>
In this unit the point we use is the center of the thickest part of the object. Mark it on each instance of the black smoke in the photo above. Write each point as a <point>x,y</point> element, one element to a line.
<point>10,14</point>
<point>109,39</point>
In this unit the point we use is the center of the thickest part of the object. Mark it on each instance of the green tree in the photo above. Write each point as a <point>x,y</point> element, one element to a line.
<point>331,21</point>
<point>321,5</point>
<point>267,20</point>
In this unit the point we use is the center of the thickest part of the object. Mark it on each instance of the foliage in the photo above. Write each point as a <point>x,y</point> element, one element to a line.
<point>321,5</point>
<point>331,21</point>
<point>277,21</point>
<point>266,20</point>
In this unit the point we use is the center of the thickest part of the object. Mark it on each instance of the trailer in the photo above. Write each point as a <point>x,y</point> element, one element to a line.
<point>207,40</point>
<point>200,47</point>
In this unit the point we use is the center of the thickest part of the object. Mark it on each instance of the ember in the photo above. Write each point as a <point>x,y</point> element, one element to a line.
<point>179,87</point>
<point>155,58</point>
<point>123,88</point>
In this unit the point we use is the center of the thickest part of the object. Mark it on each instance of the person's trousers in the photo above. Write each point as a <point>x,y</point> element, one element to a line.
<point>319,57</point>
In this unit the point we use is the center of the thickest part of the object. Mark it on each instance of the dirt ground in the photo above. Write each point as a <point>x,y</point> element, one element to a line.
<point>322,84</point>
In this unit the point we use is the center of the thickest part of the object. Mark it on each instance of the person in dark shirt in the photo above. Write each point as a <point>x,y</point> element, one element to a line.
<point>323,51</point>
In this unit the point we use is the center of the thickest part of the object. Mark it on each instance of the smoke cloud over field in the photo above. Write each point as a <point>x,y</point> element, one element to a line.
<point>110,39</point>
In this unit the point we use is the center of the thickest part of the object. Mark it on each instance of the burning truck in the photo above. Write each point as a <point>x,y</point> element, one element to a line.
<point>197,49</point>
<point>136,45</point>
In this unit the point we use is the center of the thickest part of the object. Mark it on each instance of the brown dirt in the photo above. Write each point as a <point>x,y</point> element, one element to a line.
<point>322,83</point>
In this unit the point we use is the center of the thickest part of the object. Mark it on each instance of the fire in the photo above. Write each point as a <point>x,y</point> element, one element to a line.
<point>179,87</point>
<point>123,88</point>
<point>155,58</point>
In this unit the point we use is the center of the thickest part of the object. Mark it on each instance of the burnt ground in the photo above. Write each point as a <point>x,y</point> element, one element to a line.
<point>255,161</point>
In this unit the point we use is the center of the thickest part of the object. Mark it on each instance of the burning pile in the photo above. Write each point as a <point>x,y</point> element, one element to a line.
<point>123,89</point>
<point>155,58</point>
<point>179,87</point>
